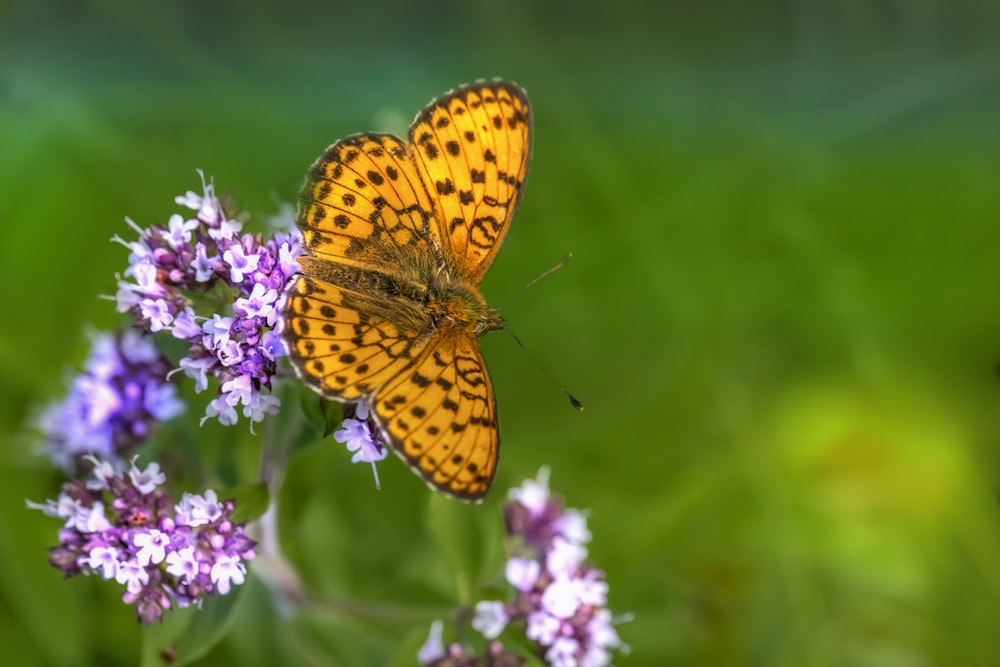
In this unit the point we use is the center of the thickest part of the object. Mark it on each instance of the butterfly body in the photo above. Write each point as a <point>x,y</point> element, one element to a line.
<point>398,235</point>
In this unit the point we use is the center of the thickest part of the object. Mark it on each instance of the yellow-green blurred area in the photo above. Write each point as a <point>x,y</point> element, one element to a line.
<point>782,315</point>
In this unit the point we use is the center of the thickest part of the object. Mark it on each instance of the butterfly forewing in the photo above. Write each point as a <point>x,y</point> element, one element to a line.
<point>472,150</point>
<point>365,189</point>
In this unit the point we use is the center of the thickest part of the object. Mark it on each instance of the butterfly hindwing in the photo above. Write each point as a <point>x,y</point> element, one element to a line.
<point>440,415</point>
<point>341,346</point>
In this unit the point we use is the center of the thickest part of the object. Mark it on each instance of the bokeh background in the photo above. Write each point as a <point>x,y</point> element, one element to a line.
<point>783,314</point>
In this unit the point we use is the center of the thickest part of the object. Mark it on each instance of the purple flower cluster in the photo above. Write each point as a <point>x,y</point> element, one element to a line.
<point>559,598</point>
<point>191,261</point>
<point>112,405</point>
<point>123,526</point>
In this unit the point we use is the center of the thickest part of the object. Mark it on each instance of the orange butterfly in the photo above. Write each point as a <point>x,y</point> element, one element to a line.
<point>398,236</point>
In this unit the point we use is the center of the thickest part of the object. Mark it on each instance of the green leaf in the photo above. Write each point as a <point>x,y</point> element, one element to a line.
<point>324,414</point>
<point>333,415</point>
<point>188,634</point>
<point>252,500</point>
<point>493,556</point>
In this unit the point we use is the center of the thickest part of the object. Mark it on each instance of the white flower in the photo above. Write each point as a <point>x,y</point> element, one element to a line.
<point>182,564</point>
<point>197,369</point>
<point>146,480</point>
<point>179,231</point>
<point>218,328</point>
<point>573,526</point>
<point>152,546</point>
<point>561,598</point>
<point>564,557</point>
<point>184,326</point>
<point>239,262</point>
<point>157,311</point>
<point>194,510</point>
<point>563,652</point>
<point>522,573</point>
<point>226,571</point>
<point>602,632</point>
<point>593,590</point>
<point>65,508</point>
<point>534,493</point>
<point>218,407</point>
<point>260,303</point>
<point>260,405</point>
<point>490,619</point>
<point>101,472</point>
<point>103,560</point>
<point>133,575</point>
<point>90,520</point>
<point>228,230</point>
<point>542,627</point>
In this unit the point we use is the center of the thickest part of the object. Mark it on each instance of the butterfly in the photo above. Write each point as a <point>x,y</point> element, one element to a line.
<point>398,234</point>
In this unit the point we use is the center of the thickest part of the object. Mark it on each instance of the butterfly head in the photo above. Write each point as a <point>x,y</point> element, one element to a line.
<point>489,321</point>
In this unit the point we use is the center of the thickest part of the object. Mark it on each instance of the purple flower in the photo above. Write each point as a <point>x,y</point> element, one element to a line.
<point>358,432</point>
<point>239,262</point>
<point>112,406</point>
<point>146,480</point>
<point>163,554</point>
<point>559,598</point>
<point>175,276</point>
<point>179,231</point>
<point>433,648</point>
<point>260,303</point>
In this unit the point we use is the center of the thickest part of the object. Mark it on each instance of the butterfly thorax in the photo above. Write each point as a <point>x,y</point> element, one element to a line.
<point>460,305</point>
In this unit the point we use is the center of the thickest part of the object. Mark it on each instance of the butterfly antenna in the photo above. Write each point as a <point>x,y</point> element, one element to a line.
<point>545,371</point>
<point>559,265</point>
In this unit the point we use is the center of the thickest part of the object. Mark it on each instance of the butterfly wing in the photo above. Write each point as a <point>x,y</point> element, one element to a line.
<point>364,205</point>
<point>430,394</point>
<point>471,148</point>
<point>345,344</point>
<point>440,415</point>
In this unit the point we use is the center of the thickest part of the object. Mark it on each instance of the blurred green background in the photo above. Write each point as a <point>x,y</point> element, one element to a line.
<point>782,315</point>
